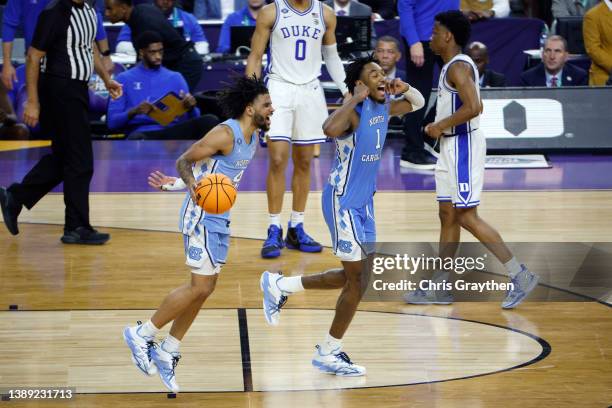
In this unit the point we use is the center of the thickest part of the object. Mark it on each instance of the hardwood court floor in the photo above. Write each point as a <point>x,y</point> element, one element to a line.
<point>75,300</point>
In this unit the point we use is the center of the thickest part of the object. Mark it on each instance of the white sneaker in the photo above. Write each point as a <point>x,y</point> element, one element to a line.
<point>166,363</point>
<point>524,282</point>
<point>429,297</point>
<point>273,298</point>
<point>141,349</point>
<point>336,363</point>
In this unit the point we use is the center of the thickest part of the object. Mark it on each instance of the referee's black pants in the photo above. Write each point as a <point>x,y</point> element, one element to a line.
<point>421,78</point>
<point>63,116</point>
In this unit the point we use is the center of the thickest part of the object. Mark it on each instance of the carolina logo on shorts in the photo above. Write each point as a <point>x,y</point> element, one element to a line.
<point>345,246</point>
<point>195,253</point>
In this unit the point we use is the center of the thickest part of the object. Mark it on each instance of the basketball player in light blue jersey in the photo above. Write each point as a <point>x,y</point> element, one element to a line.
<point>227,149</point>
<point>300,34</point>
<point>460,170</point>
<point>359,128</point>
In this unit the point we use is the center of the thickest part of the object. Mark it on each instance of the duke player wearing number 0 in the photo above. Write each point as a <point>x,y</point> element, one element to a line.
<point>300,32</point>
<point>227,149</point>
<point>359,128</point>
<point>460,169</point>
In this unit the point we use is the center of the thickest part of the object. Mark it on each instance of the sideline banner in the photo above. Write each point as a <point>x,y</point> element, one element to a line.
<point>545,118</point>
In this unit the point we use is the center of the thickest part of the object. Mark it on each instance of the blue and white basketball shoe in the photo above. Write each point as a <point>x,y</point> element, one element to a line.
<point>140,347</point>
<point>273,298</point>
<point>166,364</point>
<point>337,363</point>
<point>524,282</point>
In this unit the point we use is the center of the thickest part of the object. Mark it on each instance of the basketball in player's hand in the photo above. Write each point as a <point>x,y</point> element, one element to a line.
<point>215,193</point>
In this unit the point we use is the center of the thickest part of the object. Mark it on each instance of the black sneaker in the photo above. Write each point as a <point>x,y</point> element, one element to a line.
<point>85,236</point>
<point>297,238</point>
<point>422,161</point>
<point>10,210</point>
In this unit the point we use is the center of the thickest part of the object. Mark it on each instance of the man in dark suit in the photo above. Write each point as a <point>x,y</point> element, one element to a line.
<point>553,71</point>
<point>480,55</point>
<point>349,8</point>
<point>388,53</point>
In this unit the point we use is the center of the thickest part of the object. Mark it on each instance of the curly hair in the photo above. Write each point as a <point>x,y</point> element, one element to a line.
<point>354,68</point>
<point>234,98</point>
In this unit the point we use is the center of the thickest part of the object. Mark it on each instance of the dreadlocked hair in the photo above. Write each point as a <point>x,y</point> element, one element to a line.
<point>234,98</point>
<point>354,68</point>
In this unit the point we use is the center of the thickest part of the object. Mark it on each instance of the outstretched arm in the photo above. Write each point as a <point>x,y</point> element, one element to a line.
<point>160,181</point>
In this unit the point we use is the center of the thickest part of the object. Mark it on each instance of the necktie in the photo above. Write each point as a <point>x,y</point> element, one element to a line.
<point>553,82</point>
<point>341,13</point>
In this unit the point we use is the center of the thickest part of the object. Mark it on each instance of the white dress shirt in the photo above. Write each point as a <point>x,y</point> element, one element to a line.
<point>346,8</point>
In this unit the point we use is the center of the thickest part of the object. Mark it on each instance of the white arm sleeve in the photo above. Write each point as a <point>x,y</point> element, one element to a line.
<point>501,8</point>
<point>334,66</point>
<point>125,47</point>
<point>415,98</point>
<point>178,184</point>
<point>201,47</point>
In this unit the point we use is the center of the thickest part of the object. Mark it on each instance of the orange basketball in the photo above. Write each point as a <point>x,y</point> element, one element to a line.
<point>215,193</point>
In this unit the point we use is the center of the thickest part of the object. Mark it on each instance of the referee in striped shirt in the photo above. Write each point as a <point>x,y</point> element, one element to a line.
<point>59,64</point>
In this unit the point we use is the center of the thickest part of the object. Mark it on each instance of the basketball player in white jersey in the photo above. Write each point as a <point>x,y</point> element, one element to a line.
<point>299,33</point>
<point>460,169</point>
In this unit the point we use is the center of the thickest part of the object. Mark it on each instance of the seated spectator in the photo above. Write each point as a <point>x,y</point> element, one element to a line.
<point>554,71</point>
<point>479,53</point>
<point>388,53</point>
<point>597,32</point>
<point>9,128</point>
<point>243,17</point>
<point>566,8</point>
<point>382,9</point>
<point>184,22</point>
<point>476,10</point>
<point>24,14</point>
<point>144,84</point>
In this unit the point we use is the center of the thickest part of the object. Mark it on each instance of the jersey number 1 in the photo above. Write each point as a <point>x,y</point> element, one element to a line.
<point>378,138</point>
<point>300,50</point>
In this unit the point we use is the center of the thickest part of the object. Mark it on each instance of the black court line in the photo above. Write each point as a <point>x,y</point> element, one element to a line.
<point>546,350</point>
<point>245,350</point>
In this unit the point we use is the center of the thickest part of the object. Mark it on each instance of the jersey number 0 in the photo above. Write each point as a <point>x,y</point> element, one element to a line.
<point>300,50</point>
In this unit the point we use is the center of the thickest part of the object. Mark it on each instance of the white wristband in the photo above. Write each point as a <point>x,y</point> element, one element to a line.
<point>415,98</point>
<point>178,184</point>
